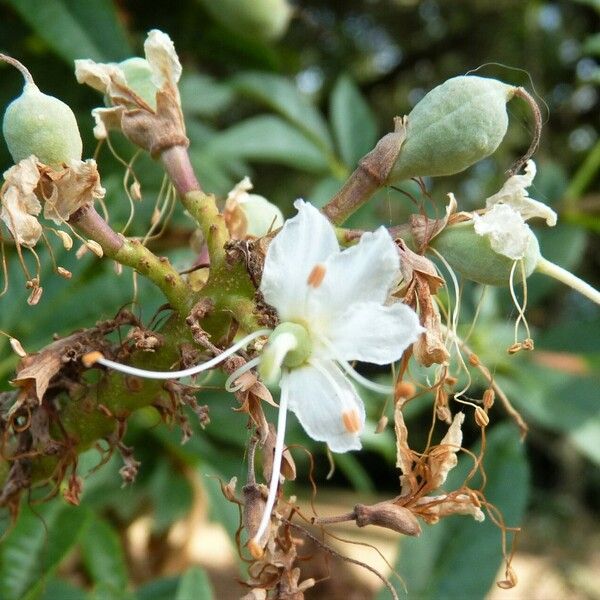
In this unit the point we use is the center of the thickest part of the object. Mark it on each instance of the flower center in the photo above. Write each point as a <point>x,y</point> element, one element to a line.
<point>289,346</point>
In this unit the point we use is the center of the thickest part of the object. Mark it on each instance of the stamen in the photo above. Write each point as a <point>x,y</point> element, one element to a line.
<point>230,383</point>
<point>4,269</point>
<point>351,421</point>
<point>520,307</point>
<point>213,362</point>
<point>275,474</point>
<point>452,329</point>
<point>367,383</point>
<point>274,355</point>
<point>316,276</point>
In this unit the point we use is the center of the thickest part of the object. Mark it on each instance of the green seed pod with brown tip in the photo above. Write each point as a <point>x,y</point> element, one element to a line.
<point>38,124</point>
<point>472,255</point>
<point>456,124</point>
<point>266,20</point>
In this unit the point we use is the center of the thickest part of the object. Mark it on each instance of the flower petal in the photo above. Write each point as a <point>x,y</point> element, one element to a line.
<point>365,272</point>
<point>98,75</point>
<point>514,193</point>
<point>373,333</point>
<point>304,241</point>
<point>162,57</point>
<point>506,229</point>
<point>20,205</point>
<point>105,119</point>
<point>73,187</point>
<point>326,405</point>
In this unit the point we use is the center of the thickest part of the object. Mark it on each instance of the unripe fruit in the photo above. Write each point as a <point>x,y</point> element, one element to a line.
<point>263,19</point>
<point>138,75</point>
<point>456,124</point>
<point>35,123</point>
<point>471,255</point>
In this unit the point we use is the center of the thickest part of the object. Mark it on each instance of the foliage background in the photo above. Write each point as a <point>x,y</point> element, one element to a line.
<point>296,115</point>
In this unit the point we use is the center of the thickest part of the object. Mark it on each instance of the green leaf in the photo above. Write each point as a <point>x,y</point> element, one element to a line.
<point>221,510</point>
<point>103,556</point>
<point>459,557</point>
<point>202,95</point>
<point>586,437</point>
<point>100,21</point>
<point>36,545</point>
<point>268,139</point>
<point>324,190</point>
<point>353,122</point>
<point>58,588</point>
<point>159,589</point>
<point>580,336</point>
<point>195,585</point>
<point>282,96</point>
<point>103,591</point>
<point>75,29</point>
<point>355,472</point>
<point>552,398</point>
<point>171,495</point>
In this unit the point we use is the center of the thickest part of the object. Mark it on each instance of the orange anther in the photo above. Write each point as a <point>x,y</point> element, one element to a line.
<point>91,358</point>
<point>351,421</point>
<point>315,279</point>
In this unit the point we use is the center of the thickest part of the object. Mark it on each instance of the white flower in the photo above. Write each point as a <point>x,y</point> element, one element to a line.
<point>339,299</point>
<point>514,193</point>
<point>507,210</point>
<point>506,229</point>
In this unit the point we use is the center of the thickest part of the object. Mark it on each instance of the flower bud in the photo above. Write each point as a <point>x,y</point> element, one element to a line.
<point>38,124</point>
<point>263,19</point>
<point>250,215</point>
<point>456,124</point>
<point>388,515</point>
<point>261,215</point>
<point>471,255</point>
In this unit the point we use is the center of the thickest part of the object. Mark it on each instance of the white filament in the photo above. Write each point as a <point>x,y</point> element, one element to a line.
<point>205,366</point>
<point>274,483</point>
<point>230,385</point>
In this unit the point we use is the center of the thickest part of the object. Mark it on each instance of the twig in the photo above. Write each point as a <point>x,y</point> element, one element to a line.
<point>333,552</point>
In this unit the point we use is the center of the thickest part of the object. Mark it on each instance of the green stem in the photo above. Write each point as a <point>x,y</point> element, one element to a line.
<point>585,289</point>
<point>131,253</point>
<point>371,174</point>
<point>203,209</point>
<point>158,270</point>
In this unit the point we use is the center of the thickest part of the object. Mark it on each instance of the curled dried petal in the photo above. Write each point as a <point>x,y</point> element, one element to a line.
<point>443,458</point>
<point>20,205</point>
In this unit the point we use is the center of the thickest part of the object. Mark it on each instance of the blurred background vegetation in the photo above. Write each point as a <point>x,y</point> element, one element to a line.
<point>296,113</point>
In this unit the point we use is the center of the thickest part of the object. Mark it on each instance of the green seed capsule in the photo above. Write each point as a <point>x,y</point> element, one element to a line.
<point>456,124</point>
<point>138,75</point>
<point>472,256</point>
<point>35,123</point>
<point>264,19</point>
